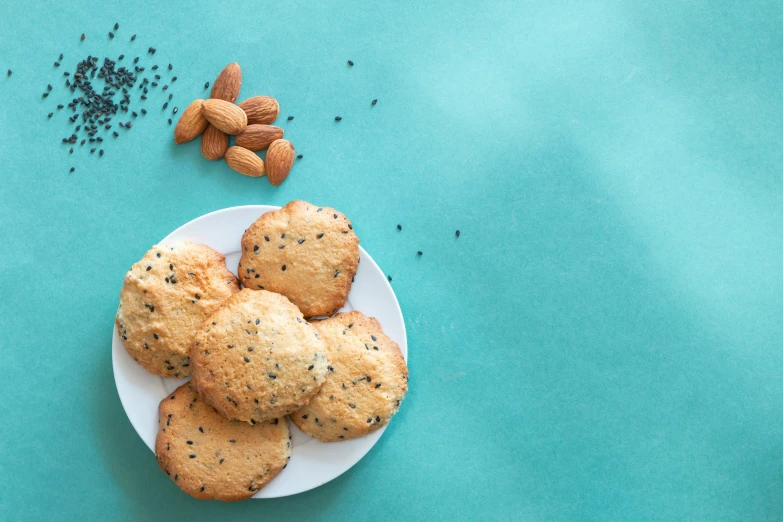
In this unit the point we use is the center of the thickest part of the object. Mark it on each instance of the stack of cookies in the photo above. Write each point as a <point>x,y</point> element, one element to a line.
<point>255,352</point>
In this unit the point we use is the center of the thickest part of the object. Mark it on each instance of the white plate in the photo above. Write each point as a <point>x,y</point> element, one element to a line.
<point>312,463</point>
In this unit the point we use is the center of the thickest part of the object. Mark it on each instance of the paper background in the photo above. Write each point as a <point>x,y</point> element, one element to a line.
<point>603,340</point>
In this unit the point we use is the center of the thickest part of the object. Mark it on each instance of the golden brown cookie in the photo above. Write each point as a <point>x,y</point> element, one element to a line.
<point>366,383</point>
<point>256,358</point>
<point>211,457</point>
<point>165,298</point>
<point>307,253</point>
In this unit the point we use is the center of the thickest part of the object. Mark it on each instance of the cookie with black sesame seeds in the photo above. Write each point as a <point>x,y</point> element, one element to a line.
<point>165,298</point>
<point>307,253</point>
<point>256,358</point>
<point>366,383</point>
<point>212,458</point>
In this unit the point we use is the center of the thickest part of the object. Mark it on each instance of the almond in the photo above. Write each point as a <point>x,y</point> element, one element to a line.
<point>228,83</point>
<point>260,109</point>
<point>245,162</point>
<point>214,143</point>
<point>258,137</point>
<point>191,124</point>
<point>224,115</point>
<point>279,160</point>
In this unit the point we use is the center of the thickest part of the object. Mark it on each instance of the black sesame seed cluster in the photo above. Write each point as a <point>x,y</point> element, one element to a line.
<point>105,96</point>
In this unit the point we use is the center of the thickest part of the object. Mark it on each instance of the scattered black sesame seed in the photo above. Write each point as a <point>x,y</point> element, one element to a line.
<point>155,68</point>
<point>374,102</point>
<point>169,121</point>
<point>82,36</point>
<point>116,26</point>
<point>206,85</point>
<point>100,152</point>
<point>457,233</point>
<point>299,156</point>
<point>338,118</point>
<point>192,456</point>
<point>201,429</point>
<point>388,277</point>
<point>399,227</point>
<point>247,359</point>
<point>120,57</point>
<point>420,253</point>
<point>51,114</point>
<point>290,118</point>
<point>173,79</point>
<point>283,268</point>
<point>133,37</point>
<point>72,169</point>
<point>350,63</point>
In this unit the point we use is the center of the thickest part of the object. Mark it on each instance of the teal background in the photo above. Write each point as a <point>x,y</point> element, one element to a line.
<point>603,342</point>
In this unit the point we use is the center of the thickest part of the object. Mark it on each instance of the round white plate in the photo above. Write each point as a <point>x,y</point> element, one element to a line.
<point>312,463</point>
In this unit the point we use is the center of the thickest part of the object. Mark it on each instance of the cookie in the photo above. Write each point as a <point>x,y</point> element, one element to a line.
<point>366,383</point>
<point>256,358</point>
<point>165,298</point>
<point>307,253</point>
<point>211,457</point>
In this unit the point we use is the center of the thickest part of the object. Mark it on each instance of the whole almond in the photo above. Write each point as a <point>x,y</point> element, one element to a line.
<point>245,162</point>
<point>191,124</point>
<point>258,137</point>
<point>228,83</point>
<point>279,160</point>
<point>260,109</point>
<point>214,143</point>
<point>224,115</point>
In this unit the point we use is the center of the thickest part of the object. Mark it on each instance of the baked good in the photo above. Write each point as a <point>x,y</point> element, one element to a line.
<point>255,358</point>
<point>307,253</point>
<point>210,457</point>
<point>165,298</point>
<point>366,383</point>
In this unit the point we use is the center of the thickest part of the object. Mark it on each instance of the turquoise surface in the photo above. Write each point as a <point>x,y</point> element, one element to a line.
<point>603,342</point>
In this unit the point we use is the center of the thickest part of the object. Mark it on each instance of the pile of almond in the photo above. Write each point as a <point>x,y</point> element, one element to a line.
<point>219,117</point>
